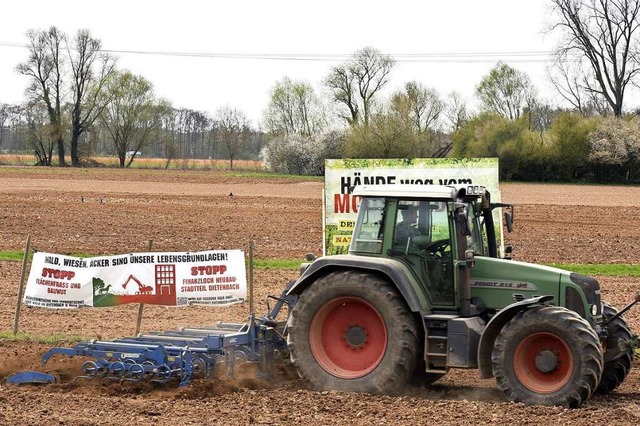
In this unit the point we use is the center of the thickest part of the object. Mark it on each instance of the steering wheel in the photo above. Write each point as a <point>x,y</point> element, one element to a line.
<point>438,247</point>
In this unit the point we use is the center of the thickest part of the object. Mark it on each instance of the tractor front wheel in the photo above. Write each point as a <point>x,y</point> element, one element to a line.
<point>547,356</point>
<point>618,354</point>
<point>352,331</point>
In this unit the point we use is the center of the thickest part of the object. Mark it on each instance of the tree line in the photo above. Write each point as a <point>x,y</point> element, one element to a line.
<point>80,104</point>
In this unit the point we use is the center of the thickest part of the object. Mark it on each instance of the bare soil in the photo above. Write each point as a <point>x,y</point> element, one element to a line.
<point>118,211</point>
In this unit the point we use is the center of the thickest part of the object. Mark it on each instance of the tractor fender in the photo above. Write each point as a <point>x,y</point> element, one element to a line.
<point>387,268</point>
<point>491,331</point>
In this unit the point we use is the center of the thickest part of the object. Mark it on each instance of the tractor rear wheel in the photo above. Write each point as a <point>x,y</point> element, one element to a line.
<point>618,354</point>
<point>352,331</point>
<point>547,356</point>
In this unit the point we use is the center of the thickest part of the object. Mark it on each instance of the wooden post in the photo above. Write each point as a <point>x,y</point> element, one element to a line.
<point>141,306</point>
<point>16,316</point>
<point>251,311</point>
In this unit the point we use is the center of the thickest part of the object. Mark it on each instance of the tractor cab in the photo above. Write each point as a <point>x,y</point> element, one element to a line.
<point>429,229</point>
<point>415,218</point>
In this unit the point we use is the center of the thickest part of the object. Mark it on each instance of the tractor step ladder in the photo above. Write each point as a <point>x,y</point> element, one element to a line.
<point>435,344</point>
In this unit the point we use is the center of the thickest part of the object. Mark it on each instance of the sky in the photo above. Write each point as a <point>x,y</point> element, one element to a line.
<point>455,43</point>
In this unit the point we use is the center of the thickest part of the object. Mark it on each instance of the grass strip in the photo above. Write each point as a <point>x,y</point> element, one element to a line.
<point>267,175</point>
<point>603,269</point>
<point>277,263</point>
<point>13,255</point>
<point>26,337</point>
<point>610,270</point>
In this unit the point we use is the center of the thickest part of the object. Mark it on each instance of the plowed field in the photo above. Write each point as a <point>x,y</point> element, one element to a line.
<point>118,211</point>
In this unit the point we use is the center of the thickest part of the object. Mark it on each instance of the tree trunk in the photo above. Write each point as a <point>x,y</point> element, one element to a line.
<point>61,161</point>
<point>75,136</point>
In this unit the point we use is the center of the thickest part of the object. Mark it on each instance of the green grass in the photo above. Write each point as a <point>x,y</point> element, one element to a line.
<point>611,270</point>
<point>13,255</point>
<point>25,337</point>
<point>276,263</point>
<point>17,256</point>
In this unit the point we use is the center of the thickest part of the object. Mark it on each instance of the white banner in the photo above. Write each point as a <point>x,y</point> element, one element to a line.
<point>214,277</point>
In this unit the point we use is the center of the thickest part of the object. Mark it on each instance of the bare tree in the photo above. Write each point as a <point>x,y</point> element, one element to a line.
<point>571,81</point>
<point>188,131</point>
<point>132,116</point>
<point>567,79</point>
<point>6,112</point>
<point>61,71</point>
<point>170,152</point>
<point>356,83</point>
<point>456,110</point>
<point>294,108</point>
<point>604,34</point>
<point>45,69</point>
<point>15,132</point>
<point>90,68</point>
<point>39,132</point>
<point>233,129</point>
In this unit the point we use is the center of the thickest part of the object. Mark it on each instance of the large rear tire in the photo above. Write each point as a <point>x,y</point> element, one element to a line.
<point>617,368</point>
<point>352,331</point>
<point>547,356</point>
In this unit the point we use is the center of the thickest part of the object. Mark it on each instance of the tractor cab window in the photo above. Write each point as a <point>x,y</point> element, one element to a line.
<point>368,232</point>
<point>422,238</point>
<point>477,241</point>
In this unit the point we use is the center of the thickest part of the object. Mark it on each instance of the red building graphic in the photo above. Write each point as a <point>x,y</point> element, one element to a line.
<point>165,285</point>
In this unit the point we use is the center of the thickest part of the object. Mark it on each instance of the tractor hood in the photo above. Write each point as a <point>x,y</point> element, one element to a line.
<point>496,283</point>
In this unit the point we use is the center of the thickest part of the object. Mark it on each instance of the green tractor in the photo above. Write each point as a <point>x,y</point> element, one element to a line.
<point>423,290</point>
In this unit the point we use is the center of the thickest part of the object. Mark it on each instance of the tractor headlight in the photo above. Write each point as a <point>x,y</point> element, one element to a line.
<point>594,310</point>
<point>476,190</point>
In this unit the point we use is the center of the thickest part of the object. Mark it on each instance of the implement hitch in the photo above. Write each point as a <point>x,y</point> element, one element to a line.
<point>623,310</point>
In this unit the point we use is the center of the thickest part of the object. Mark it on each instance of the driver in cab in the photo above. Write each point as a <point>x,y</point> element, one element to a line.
<point>408,227</point>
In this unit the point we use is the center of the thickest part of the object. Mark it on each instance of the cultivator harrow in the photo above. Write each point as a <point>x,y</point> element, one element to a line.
<point>177,355</point>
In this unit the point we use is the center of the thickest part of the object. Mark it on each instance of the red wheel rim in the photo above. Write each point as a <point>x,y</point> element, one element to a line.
<point>348,337</point>
<point>543,363</point>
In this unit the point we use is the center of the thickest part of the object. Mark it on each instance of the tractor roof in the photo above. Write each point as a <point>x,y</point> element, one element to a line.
<point>440,192</point>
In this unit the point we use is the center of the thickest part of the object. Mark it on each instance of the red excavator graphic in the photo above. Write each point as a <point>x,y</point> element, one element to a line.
<point>142,289</point>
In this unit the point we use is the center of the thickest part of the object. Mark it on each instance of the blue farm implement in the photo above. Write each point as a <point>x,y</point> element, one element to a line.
<point>177,355</point>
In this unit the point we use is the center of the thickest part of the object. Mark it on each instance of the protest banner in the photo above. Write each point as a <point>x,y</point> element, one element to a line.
<point>174,279</point>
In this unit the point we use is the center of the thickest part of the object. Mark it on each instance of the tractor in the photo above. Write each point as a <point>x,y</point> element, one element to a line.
<point>425,288</point>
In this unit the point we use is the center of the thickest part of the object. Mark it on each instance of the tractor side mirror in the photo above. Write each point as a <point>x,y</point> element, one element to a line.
<point>508,220</point>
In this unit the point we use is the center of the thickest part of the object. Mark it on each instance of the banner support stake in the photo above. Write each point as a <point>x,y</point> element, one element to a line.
<point>251,311</point>
<point>141,306</point>
<point>16,317</point>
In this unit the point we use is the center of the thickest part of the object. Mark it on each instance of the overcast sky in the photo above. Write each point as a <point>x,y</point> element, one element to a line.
<point>468,34</point>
